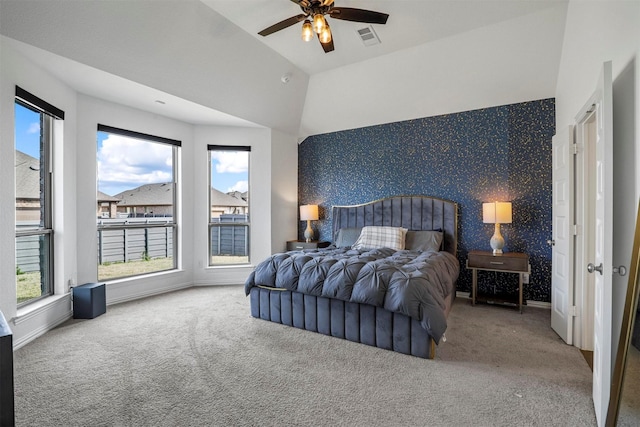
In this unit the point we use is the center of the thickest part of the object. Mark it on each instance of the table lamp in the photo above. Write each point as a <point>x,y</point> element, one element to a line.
<point>496,213</point>
<point>308,213</point>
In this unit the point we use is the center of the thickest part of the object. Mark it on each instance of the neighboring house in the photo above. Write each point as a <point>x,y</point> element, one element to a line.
<point>146,200</point>
<point>27,188</point>
<point>239,195</point>
<point>157,200</point>
<point>28,192</point>
<point>222,203</point>
<point>107,205</point>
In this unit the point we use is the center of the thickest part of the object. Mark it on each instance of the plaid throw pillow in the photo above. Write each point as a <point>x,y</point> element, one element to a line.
<point>373,237</point>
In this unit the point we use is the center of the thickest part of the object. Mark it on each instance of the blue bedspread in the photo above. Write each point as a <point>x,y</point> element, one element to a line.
<point>408,282</point>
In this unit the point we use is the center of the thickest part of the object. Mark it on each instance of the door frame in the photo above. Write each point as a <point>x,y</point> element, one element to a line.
<point>584,242</point>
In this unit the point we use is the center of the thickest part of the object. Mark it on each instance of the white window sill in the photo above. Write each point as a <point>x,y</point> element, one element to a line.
<point>141,277</point>
<point>230,266</point>
<point>33,309</point>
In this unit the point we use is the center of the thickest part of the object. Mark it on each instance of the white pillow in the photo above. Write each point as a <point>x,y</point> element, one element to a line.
<point>373,237</point>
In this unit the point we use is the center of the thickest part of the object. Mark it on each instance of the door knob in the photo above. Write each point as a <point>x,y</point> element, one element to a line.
<point>551,242</point>
<point>622,270</point>
<point>591,268</point>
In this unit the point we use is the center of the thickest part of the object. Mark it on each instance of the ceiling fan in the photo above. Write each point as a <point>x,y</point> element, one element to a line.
<point>315,10</point>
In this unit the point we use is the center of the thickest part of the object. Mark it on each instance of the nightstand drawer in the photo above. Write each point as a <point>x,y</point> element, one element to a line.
<point>507,262</point>
<point>297,245</point>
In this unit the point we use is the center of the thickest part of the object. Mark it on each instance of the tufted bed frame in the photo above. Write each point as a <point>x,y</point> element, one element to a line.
<point>364,323</point>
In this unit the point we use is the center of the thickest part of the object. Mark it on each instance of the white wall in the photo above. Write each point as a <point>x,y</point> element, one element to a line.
<point>284,191</point>
<point>16,70</point>
<point>599,31</point>
<point>494,65</point>
<point>273,196</point>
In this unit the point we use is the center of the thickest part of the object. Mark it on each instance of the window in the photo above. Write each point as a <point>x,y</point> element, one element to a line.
<point>228,205</point>
<point>35,121</point>
<point>135,203</point>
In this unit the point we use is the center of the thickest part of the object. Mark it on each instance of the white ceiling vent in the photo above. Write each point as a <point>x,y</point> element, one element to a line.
<point>368,36</point>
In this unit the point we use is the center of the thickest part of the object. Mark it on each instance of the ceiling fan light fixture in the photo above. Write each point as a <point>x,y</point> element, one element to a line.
<point>307,31</point>
<point>319,22</point>
<point>325,35</point>
<point>313,14</point>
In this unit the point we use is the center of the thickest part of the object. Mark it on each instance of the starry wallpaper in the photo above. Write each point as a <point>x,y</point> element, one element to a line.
<point>493,154</point>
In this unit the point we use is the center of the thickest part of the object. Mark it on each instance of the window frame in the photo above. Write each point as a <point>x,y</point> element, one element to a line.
<point>173,224</point>
<point>211,224</point>
<point>45,229</point>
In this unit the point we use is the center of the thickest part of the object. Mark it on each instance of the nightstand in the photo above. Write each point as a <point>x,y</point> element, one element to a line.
<point>296,245</point>
<point>510,262</point>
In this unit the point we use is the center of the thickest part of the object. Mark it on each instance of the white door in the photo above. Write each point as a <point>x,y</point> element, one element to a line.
<point>602,266</point>
<point>562,247</point>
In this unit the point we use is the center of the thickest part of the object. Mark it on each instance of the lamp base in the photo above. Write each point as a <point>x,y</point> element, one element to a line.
<point>308,233</point>
<point>497,241</point>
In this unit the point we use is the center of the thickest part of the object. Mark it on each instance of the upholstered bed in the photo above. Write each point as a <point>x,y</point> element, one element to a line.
<point>394,293</point>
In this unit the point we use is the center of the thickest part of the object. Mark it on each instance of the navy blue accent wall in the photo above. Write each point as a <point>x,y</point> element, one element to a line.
<point>501,153</point>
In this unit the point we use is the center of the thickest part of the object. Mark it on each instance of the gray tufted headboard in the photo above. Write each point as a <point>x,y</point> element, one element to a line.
<point>411,212</point>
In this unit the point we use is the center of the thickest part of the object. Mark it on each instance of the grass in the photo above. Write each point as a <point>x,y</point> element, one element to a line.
<point>115,270</point>
<point>28,284</point>
<point>229,260</point>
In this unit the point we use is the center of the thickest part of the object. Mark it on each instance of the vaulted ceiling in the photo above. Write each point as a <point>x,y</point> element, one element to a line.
<point>411,23</point>
<point>206,62</point>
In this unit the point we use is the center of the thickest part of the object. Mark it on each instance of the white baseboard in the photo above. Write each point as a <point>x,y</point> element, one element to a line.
<point>539,304</point>
<point>146,292</point>
<point>530,303</point>
<point>40,321</point>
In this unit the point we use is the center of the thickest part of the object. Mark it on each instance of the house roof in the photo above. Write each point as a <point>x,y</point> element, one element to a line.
<point>159,194</point>
<point>27,176</point>
<point>218,198</point>
<point>104,197</point>
<point>239,194</point>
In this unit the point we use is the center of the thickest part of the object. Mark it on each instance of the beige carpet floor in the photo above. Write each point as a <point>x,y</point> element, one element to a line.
<point>196,358</point>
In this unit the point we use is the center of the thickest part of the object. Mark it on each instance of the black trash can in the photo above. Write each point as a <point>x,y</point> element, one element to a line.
<point>89,300</point>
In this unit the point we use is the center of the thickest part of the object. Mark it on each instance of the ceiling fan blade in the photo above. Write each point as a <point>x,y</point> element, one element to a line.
<point>328,47</point>
<point>358,15</point>
<point>282,24</point>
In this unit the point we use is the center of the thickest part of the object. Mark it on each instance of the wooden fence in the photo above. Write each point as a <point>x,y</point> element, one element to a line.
<point>230,239</point>
<point>28,253</point>
<point>119,244</point>
<point>123,244</point>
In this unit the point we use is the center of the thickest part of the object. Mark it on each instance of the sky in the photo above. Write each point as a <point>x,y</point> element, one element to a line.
<point>230,171</point>
<point>125,163</point>
<point>27,131</point>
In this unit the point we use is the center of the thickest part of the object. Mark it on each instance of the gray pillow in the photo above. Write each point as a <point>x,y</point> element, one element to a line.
<point>347,237</point>
<point>423,241</point>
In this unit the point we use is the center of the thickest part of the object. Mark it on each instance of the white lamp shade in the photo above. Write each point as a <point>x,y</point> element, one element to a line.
<point>308,212</point>
<point>496,213</point>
